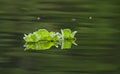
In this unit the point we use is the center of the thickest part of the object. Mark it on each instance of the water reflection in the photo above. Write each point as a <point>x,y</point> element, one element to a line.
<point>43,45</point>
<point>97,23</point>
<point>10,39</point>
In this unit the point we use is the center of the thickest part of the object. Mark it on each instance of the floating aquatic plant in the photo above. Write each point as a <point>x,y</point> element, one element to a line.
<point>43,39</point>
<point>68,34</point>
<point>41,35</point>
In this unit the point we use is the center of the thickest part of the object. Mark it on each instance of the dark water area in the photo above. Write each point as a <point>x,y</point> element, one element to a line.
<point>98,37</point>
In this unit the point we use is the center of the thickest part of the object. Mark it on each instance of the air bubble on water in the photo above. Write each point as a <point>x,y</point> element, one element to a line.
<point>90,17</point>
<point>38,18</point>
<point>73,19</point>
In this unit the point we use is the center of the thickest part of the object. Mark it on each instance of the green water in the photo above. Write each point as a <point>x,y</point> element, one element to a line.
<point>98,37</point>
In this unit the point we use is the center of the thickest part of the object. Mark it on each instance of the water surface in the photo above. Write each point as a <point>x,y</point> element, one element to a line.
<point>98,37</point>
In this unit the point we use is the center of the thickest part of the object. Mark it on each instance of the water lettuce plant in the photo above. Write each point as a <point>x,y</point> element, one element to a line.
<point>41,35</point>
<point>43,39</point>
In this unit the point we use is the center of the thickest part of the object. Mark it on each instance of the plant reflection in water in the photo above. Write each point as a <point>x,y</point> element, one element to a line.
<point>42,39</point>
<point>43,45</point>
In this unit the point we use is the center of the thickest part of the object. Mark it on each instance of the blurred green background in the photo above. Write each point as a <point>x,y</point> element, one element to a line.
<point>98,37</point>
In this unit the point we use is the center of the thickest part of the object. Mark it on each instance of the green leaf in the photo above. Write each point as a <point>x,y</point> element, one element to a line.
<point>42,34</point>
<point>73,34</point>
<point>66,33</point>
<point>30,38</point>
